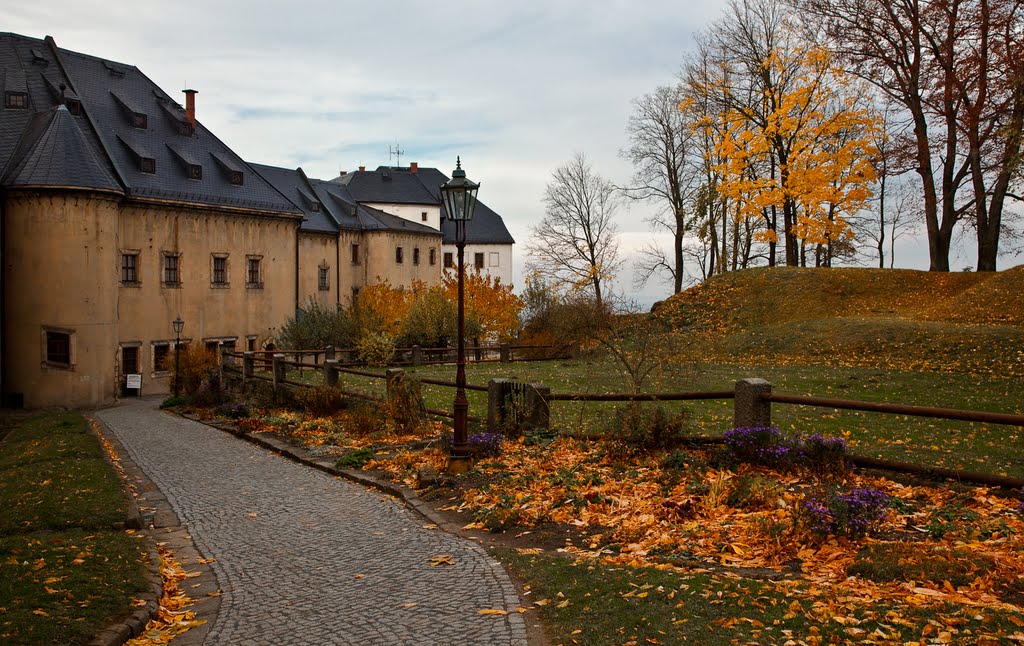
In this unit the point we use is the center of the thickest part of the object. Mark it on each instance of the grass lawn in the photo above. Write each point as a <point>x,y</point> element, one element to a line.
<point>587,602</point>
<point>64,572</point>
<point>988,448</point>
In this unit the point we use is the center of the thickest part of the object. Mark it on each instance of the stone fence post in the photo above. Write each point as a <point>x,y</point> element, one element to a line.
<point>331,372</point>
<point>538,407</point>
<point>506,353</point>
<point>417,355</point>
<point>750,411</point>
<point>329,353</point>
<point>248,365</point>
<point>278,370</point>
<point>496,394</point>
<point>393,377</point>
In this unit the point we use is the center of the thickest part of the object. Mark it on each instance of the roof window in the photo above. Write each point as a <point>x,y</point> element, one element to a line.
<point>177,117</point>
<point>192,169</point>
<point>145,161</point>
<point>311,203</point>
<point>16,100</point>
<point>231,172</point>
<point>115,70</point>
<point>37,57</point>
<point>136,118</point>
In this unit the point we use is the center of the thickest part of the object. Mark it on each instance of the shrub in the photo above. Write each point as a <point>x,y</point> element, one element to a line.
<point>755,492</point>
<point>198,365</point>
<point>173,401</point>
<point>364,420</point>
<point>825,455</point>
<point>638,428</point>
<point>355,459</point>
<point>405,404</point>
<point>320,400</point>
<point>376,349</point>
<point>485,445</point>
<point>233,411</point>
<point>852,514</point>
<point>765,445</point>
<point>768,447</point>
<point>315,326</point>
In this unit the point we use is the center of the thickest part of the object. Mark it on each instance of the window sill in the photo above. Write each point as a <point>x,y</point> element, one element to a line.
<point>254,286</point>
<point>58,366</point>
<point>171,285</point>
<point>220,285</point>
<point>132,285</point>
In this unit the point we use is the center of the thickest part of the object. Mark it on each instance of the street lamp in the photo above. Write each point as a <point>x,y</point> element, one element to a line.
<point>178,326</point>
<point>459,198</point>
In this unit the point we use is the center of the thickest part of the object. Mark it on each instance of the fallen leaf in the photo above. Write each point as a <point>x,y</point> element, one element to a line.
<point>493,611</point>
<point>441,559</point>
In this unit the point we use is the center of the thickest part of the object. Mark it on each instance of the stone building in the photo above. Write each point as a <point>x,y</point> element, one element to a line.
<point>120,211</point>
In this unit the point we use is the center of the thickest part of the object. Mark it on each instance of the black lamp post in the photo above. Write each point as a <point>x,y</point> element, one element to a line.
<point>178,326</point>
<point>459,197</point>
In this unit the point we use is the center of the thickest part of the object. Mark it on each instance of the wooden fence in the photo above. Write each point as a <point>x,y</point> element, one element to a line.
<point>528,406</point>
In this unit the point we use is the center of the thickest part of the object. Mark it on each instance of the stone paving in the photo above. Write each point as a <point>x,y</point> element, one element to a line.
<point>305,558</point>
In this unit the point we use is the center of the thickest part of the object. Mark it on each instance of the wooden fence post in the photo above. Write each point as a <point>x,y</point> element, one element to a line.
<point>538,407</point>
<point>506,353</point>
<point>331,372</point>
<point>750,411</point>
<point>248,365</point>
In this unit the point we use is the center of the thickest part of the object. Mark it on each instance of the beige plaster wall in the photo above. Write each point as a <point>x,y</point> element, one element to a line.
<point>210,312</point>
<point>318,250</point>
<point>60,264</point>
<point>381,263</point>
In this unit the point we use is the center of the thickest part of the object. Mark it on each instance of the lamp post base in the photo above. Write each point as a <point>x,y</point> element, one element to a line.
<point>457,465</point>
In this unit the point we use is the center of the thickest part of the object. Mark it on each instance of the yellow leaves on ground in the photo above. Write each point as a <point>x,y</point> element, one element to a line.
<point>441,559</point>
<point>493,611</point>
<point>173,617</point>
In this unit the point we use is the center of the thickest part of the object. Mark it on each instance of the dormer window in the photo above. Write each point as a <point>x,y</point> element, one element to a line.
<point>16,100</point>
<point>229,169</point>
<point>191,168</point>
<point>136,118</point>
<point>74,106</point>
<point>146,162</point>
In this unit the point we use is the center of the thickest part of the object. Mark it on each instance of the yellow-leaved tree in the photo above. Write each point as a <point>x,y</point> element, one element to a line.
<point>804,147</point>
<point>490,304</point>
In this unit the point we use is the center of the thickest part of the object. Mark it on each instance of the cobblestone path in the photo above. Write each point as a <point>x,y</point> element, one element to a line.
<point>305,558</point>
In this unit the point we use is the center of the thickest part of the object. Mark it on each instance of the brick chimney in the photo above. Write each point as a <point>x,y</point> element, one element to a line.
<point>414,167</point>
<point>362,168</point>
<point>190,106</point>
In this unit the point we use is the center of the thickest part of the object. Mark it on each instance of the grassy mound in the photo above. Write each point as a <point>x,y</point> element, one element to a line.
<point>964,322</point>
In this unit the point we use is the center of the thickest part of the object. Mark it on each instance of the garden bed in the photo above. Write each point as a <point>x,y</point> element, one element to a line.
<point>856,552</point>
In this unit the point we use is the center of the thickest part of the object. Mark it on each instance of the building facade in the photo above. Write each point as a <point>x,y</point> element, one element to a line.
<point>120,211</point>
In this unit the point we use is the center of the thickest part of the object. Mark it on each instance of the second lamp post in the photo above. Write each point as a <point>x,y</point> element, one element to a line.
<point>459,198</point>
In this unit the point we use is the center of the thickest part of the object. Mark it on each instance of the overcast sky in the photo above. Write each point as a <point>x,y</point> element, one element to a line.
<point>515,88</point>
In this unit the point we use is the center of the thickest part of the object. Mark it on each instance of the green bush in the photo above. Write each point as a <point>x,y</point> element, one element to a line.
<point>405,404</point>
<point>636,428</point>
<point>321,400</point>
<point>376,349</point>
<point>314,327</point>
<point>355,459</point>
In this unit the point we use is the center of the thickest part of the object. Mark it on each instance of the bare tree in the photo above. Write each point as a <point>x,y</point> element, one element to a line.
<point>955,66</point>
<point>576,243</point>
<point>659,142</point>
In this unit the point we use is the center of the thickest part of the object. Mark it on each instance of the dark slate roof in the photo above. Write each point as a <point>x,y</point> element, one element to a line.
<point>486,227</point>
<point>386,185</point>
<point>54,152</point>
<point>294,185</point>
<point>110,93</point>
<point>328,207</point>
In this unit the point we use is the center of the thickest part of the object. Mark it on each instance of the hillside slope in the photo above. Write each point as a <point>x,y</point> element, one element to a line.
<point>972,322</point>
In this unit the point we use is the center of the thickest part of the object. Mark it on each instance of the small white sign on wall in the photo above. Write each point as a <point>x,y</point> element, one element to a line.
<point>133,381</point>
